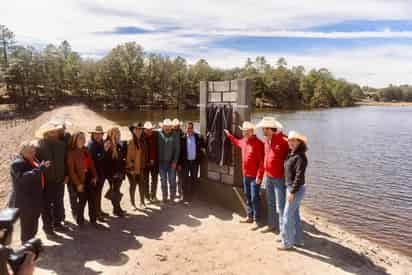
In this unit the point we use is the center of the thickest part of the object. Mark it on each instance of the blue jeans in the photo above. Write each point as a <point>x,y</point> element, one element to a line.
<point>275,194</point>
<point>252,192</point>
<point>167,180</point>
<point>292,226</point>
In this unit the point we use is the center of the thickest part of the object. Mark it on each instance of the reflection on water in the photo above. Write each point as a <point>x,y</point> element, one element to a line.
<point>360,166</point>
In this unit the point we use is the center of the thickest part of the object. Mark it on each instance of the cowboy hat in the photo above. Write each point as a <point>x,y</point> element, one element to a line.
<point>176,122</point>
<point>148,125</point>
<point>247,126</point>
<point>97,130</point>
<point>47,128</point>
<point>135,125</point>
<point>297,135</point>
<point>269,122</point>
<point>61,121</point>
<point>166,122</point>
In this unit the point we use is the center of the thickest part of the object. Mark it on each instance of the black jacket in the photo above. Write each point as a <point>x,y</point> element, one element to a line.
<point>183,148</point>
<point>295,167</point>
<point>116,167</point>
<point>96,149</point>
<point>27,192</point>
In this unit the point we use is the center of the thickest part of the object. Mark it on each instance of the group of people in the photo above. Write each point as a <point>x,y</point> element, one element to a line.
<point>57,158</point>
<point>279,162</point>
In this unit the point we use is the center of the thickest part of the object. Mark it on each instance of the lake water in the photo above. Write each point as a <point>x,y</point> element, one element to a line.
<point>360,167</point>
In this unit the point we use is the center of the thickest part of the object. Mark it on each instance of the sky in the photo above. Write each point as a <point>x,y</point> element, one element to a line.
<point>364,41</point>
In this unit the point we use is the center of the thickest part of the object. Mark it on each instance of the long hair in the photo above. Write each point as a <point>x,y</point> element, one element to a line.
<point>73,140</point>
<point>111,135</point>
<point>302,148</point>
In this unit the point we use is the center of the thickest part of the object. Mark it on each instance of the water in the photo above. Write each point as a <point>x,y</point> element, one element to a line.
<point>360,166</point>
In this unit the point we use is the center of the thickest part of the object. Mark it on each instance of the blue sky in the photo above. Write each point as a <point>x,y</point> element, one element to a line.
<point>368,41</point>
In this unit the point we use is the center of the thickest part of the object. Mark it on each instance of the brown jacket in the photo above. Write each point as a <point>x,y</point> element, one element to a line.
<point>136,158</point>
<point>75,166</point>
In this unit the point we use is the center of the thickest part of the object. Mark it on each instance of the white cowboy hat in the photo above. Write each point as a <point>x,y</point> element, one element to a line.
<point>166,122</point>
<point>247,126</point>
<point>176,122</point>
<point>46,128</point>
<point>148,125</point>
<point>269,122</point>
<point>297,135</point>
<point>61,121</point>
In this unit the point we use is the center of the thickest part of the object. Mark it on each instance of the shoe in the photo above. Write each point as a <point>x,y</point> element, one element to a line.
<point>142,206</point>
<point>50,233</point>
<point>97,226</point>
<point>60,228</point>
<point>119,213</point>
<point>284,248</point>
<point>256,226</point>
<point>104,214</point>
<point>247,220</point>
<point>268,229</point>
<point>300,244</point>
<point>101,219</point>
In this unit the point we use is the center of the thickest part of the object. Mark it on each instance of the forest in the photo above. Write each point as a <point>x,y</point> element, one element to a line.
<point>128,77</point>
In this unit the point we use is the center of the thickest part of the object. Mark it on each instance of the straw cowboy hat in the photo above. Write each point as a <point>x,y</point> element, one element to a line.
<point>247,126</point>
<point>135,125</point>
<point>298,136</point>
<point>269,122</point>
<point>176,122</point>
<point>97,130</point>
<point>47,128</point>
<point>148,125</point>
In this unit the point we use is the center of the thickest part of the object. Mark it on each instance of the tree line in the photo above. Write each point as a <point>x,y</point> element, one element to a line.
<point>128,77</point>
<point>392,93</point>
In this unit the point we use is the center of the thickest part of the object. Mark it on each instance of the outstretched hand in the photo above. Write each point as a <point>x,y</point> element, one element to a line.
<point>226,131</point>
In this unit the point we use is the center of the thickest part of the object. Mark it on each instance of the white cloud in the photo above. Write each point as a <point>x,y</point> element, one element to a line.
<point>372,66</point>
<point>51,21</point>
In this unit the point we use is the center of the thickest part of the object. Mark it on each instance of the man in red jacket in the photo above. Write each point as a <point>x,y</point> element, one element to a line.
<point>276,151</point>
<point>252,165</point>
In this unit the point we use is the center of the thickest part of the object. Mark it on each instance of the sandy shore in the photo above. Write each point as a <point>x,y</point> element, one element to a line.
<point>378,103</point>
<point>195,239</point>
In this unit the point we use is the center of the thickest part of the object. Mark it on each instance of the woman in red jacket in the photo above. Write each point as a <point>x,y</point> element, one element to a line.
<point>252,166</point>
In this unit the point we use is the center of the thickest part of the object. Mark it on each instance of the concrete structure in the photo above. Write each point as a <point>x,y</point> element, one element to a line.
<point>223,184</point>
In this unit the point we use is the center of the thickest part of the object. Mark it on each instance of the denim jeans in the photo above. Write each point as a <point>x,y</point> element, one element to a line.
<point>252,193</point>
<point>167,180</point>
<point>292,226</point>
<point>275,194</point>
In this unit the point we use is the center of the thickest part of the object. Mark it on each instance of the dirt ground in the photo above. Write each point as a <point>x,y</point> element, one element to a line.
<point>195,239</point>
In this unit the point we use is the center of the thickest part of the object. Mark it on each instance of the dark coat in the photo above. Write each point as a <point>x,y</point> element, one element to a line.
<point>96,149</point>
<point>27,192</point>
<point>54,151</point>
<point>152,140</point>
<point>116,167</point>
<point>200,144</point>
<point>295,167</point>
